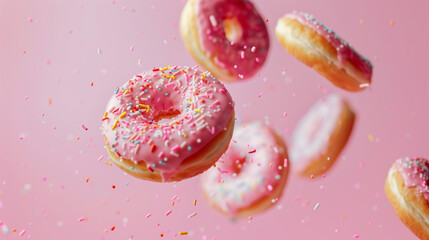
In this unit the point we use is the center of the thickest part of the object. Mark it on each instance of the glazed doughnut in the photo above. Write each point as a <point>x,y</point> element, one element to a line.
<point>251,175</point>
<point>168,124</point>
<point>321,135</point>
<point>227,37</point>
<point>322,49</point>
<point>407,188</point>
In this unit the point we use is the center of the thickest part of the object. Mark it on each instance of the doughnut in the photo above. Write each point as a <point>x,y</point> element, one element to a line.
<point>168,124</point>
<point>407,188</point>
<point>321,135</point>
<point>322,49</point>
<point>227,37</point>
<point>251,175</point>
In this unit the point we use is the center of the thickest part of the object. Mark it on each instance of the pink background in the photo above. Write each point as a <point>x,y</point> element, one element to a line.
<point>44,167</point>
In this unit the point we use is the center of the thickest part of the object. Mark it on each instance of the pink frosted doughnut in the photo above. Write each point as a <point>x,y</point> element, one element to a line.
<point>168,124</point>
<point>321,48</point>
<point>251,175</point>
<point>321,135</point>
<point>407,188</point>
<point>227,37</point>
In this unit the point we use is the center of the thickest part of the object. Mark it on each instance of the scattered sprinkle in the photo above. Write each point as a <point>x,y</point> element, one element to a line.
<point>316,206</point>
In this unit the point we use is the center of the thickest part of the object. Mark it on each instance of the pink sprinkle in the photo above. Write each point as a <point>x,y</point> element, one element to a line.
<point>242,54</point>
<point>148,215</point>
<point>285,163</point>
<point>222,171</point>
<point>175,148</point>
<point>81,219</point>
<point>161,154</point>
<point>48,62</point>
<point>222,90</point>
<point>83,126</point>
<point>213,130</point>
<point>356,236</point>
<point>174,198</point>
<point>168,213</point>
<point>30,19</point>
<point>253,151</point>
<point>44,179</point>
<point>22,233</point>
<point>100,158</point>
<point>132,48</point>
<point>259,95</point>
<point>270,188</point>
<point>169,84</point>
<point>285,114</point>
<point>26,97</point>
<point>1,223</point>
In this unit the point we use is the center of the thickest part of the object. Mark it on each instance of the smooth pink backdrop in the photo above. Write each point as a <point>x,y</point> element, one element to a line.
<point>44,167</point>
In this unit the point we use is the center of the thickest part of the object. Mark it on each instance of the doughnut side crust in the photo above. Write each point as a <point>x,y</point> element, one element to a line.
<point>189,32</point>
<point>315,51</point>
<point>409,205</point>
<point>337,142</point>
<point>263,203</point>
<point>190,167</point>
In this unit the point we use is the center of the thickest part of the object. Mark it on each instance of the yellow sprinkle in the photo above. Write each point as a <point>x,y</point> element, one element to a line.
<point>114,125</point>
<point>165,68</point>
<point>197,111</point>
<point>125,92</point>
<point>173,77</point>
<point>123,114</point>
<point>185,135</point>
<point>109,163</point>
<point>195,202</point>
<point>203,75</point>
<point>371,138</point>
<point>145,106</point>
<point>183,233</point>
<point>105,115</point>
<point>190,99</point>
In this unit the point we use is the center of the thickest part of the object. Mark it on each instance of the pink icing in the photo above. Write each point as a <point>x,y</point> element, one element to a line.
<point>262,162</point>
<point>415,172</point>
<point>312,134</point>
<point>199,107</point>
<point>345,52</point>
<point>244,57</point>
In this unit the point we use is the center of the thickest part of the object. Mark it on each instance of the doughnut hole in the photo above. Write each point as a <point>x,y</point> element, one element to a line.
<point>233,29</point>
<point>169,114</point>
<point>163,107</point>
<point>233,161</point>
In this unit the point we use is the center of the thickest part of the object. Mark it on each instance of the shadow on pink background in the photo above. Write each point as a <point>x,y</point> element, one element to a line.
<point>49,58</point>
